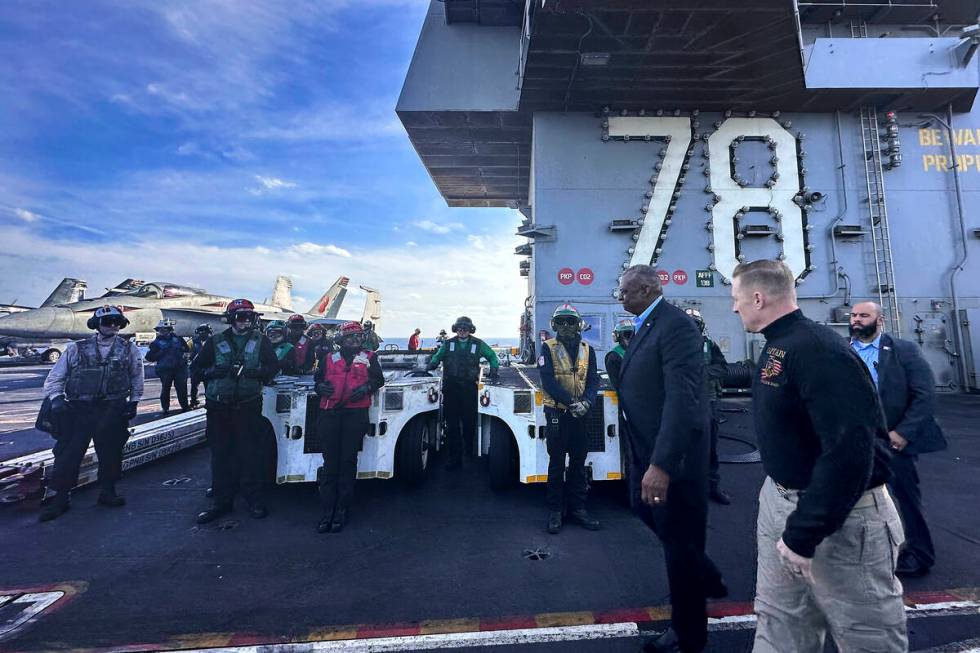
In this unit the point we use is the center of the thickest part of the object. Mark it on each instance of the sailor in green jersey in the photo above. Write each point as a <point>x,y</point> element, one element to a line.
<point>622,333</point>
<point>275,331</point>
<point>235,365</point>
<point>460,358</point>
<point>715,367</point>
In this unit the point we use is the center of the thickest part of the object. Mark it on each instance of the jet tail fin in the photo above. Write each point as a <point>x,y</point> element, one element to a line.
<point>68,291</point>
<point>282,293</point>
<point>372,306</point>
<point>329,304</point>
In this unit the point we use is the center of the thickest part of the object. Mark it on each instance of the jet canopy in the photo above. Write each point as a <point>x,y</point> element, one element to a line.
<point>162,290</point>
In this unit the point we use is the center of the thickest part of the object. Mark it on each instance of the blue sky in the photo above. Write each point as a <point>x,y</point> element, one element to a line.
<point>220,143</point>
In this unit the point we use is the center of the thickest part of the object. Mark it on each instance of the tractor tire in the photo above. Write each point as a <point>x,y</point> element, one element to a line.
<point>413,450</point>
<point>503,457</point>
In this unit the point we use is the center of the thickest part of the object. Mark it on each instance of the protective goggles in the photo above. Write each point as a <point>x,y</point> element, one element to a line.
<point>243,316</point>
<point>566,320</point>
<point>112,321</point>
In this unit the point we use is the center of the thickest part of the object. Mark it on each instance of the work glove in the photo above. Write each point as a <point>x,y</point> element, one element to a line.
<point>130,409</point>
<point>59,405</point>
<point>493,375</point>
<point>324,389</point>
<point>358,393</point>
<point>579,408</point>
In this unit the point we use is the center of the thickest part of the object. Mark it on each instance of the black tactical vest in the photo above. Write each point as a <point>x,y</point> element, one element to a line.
<point>93,377</point>
<point>462,360</point>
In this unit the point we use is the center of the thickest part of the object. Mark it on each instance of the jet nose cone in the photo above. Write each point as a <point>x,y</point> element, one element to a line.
<point>40,322</point>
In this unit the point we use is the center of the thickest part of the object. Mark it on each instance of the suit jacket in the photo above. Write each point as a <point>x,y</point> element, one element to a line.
<point>907,390</point>
<point>662,394</point>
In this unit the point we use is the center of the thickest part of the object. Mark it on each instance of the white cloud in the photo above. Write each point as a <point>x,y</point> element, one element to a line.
<point>411,243</point>
<point>189,148</point>
<point>26,216</point>
<point>477,242</point>
<point>269,185</point>
<point>427,286</point>
<point>312,249</point>
<point>437,228</point>
<point>273,183</point>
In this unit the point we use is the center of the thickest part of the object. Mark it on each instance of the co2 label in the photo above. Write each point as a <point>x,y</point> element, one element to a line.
<point>568,276</point>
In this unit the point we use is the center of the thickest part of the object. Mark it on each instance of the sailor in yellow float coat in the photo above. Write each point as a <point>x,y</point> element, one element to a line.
<point>570,383</point>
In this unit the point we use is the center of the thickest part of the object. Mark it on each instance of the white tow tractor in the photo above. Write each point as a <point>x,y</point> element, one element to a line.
<point>513,431</point>
<point>404,424</point>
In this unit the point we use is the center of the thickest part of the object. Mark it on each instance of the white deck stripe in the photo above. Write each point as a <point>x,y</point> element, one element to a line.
<point>449,640</point>
<point>541,635</point>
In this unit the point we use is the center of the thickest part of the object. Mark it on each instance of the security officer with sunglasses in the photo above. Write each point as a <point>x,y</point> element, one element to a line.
<point>570,382</point>
<point>94,389</point>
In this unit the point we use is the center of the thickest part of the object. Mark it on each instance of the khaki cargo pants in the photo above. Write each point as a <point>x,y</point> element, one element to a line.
<point>854,592</point>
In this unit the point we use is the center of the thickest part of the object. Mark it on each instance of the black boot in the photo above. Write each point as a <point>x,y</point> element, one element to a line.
<point>339,519</point>
<point>325,523</point>
<point>554,522</point>
<point>582,517</point>
<point>108,497</point>
<point>213,513</point>
<point>58,506</point>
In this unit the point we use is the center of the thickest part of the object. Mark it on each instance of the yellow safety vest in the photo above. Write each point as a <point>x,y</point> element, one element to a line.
<point>570,378</point>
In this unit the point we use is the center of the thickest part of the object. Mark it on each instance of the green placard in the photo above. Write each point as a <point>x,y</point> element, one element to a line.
<point>704,278</point>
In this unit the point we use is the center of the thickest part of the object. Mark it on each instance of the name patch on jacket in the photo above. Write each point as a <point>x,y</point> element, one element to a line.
<point>773,369</point>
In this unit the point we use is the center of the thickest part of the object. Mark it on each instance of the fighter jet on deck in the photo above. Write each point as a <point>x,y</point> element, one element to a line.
<point>68,291</point>
<point>147,303</point>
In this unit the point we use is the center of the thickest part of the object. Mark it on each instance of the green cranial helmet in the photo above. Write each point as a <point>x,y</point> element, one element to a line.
<point>623,328</point>
<point>566,316</point>
<point>695,315</point>
<point>274,325</point>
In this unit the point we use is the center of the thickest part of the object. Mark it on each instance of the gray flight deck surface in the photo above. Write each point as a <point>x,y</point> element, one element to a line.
<point>451,549</point>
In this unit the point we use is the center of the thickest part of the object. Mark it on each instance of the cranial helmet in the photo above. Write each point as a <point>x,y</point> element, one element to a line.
<point>695,315</point>
<point>350,330</point>
<point>296,321</point>
<point>623,329</point>
<point>466,322</point>
<point>316,328</point>
<point>203,329</point>
<point>241,307</point>
<point>566,313</point>
<point>165,324</point>
<point>274,325</point>
<point>106,313</point>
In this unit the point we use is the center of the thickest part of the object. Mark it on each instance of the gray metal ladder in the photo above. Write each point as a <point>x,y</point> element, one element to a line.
<point>878,215</point>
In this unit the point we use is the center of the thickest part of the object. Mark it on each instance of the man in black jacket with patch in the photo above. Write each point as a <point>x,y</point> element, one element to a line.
<point>828,532</point>
<point>907,391</point>
<point>665,409</point>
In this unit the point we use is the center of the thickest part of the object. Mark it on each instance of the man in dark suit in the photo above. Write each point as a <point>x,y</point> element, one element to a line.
<point>907,391</point>
<point>662,394</point>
